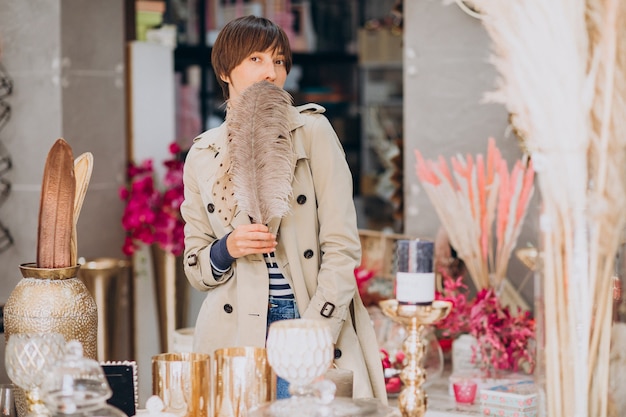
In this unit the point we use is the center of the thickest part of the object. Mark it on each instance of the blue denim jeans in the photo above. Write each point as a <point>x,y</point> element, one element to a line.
<point>281,309</point>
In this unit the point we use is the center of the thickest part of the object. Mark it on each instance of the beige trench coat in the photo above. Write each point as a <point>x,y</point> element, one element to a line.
<point>317,258</point>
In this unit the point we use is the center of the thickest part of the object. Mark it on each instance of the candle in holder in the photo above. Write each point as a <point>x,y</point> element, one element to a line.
<point>415,279</point>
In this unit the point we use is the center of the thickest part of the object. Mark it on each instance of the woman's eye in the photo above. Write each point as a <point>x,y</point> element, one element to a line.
<point>254,58</point>
<point>280,62</point>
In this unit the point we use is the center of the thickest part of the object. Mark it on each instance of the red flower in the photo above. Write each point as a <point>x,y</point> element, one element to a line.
<point>400,357</point>
<point>504,339</point>
<point>458,321</point>
<point>391,368</point>
<point>393,385</point>
<point>362,276</point>
<point>153,216</point>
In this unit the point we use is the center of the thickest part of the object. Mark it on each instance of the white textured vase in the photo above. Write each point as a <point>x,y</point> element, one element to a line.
<point>299,351</point>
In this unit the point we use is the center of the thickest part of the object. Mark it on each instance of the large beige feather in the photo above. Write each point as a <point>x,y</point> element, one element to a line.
<point>262,157</point>
<point>56,210</point>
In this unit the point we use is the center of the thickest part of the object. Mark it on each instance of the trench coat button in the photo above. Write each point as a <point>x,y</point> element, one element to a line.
<point>337,353</point>
<point>210,207</point>
<point>308,254</point>
<point>228,308</point>
<point>301,199</point>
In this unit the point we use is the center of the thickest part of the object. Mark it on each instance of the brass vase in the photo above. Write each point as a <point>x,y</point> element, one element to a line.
<point>53,301</point>
<point>108,281</point>
<point>171,288</point>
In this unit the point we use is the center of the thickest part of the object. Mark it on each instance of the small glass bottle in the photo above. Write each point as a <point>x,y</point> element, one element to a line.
<point>415,279</point>
<point>77,387</point>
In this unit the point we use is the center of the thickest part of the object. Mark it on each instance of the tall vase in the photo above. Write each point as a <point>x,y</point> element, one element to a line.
<point>108,281</point>
<point>52,301</point>
<point>171,290</point>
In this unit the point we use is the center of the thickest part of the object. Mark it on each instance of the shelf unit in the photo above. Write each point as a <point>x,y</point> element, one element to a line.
<point>328,77</point>
<point>381,107</point>
<point>333,77</point>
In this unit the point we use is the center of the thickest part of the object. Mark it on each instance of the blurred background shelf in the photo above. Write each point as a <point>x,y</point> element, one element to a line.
<point>347,57</point>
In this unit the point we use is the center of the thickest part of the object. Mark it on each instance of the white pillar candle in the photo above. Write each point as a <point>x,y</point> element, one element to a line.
<point>415,279</point>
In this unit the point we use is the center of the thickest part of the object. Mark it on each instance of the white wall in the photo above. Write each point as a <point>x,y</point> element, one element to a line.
<point>66,59</point>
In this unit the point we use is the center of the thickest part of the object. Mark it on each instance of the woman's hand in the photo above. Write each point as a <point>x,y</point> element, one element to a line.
<point>250,238</point>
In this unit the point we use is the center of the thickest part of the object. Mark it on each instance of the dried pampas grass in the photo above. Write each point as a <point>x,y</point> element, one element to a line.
<point>606,22</point>
<point>262,158</point>
<point>562,75</point>
<point>482,206</point>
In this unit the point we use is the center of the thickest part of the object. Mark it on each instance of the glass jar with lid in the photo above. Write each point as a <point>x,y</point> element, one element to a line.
<point>76,386</point>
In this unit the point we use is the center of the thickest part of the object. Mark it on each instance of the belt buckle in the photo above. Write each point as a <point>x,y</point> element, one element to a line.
<point>327,309</point>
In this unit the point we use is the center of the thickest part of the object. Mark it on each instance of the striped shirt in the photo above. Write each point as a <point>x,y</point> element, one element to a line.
<point>279,286</point>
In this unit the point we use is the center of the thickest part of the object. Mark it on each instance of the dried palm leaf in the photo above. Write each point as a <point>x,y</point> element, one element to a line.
<point>261,152</point>
<point>56,210</point>
<point>83,167</point>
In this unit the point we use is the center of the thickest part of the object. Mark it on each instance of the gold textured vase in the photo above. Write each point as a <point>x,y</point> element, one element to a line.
<point>53,301</point>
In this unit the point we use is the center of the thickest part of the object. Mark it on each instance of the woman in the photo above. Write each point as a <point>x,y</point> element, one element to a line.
<point>311,259</point>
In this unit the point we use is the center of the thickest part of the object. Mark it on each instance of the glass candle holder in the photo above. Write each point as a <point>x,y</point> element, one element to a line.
<point>465,391</point>
<point>243,380</point>
<point>182,381</point>
<point>300,351</point>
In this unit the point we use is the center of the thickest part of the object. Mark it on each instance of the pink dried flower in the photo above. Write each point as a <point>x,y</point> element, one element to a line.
<point>457,322</point>
<point>393,385</point>
<point>384,357</point>
<point>392,367</point>
<point>362,276</point>
<point>504,339</point>
<point>153,216</point>
<point>400,357</point>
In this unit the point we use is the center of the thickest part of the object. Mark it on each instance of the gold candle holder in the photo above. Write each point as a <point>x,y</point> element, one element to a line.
<point>413,400</point>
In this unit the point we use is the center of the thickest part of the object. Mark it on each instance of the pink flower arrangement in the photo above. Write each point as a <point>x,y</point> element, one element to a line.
<point>504,339</point>
<point>458,321</point>
<point>152,216</point>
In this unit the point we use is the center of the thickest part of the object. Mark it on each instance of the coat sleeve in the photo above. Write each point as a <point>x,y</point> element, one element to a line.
<point>338,233</point>
<point>199,236</point>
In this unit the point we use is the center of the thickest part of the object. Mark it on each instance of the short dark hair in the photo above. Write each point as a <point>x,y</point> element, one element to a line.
<point>242,37</point>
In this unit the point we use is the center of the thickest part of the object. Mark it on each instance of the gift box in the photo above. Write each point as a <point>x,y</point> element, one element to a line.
<point>517,399</point>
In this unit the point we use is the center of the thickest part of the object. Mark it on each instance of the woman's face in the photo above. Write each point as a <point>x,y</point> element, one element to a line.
<point>256,67</point>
